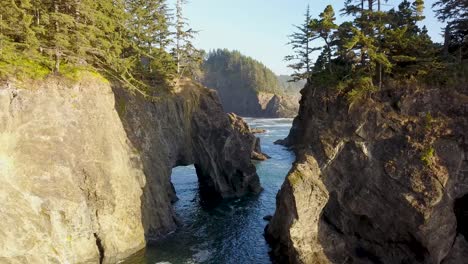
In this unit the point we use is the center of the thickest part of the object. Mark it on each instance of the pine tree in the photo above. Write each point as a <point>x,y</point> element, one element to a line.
<point>186,55</point>
<point>300,42</point>
<point>15,29</point>
<point>108,36</point>
<point>408,47</point>
<point>324,28</point>
<point>162,31</point>
<point>58,30</point>
<point>149,35</point>
<point>114,36</point>
<point>455,13</point>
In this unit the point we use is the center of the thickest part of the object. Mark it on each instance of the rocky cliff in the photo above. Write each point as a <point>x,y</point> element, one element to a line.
<point>258,104</point>
<point>384,180</point>
<point>85,167</point>
<point>273,105</point>
<point>247,87</point>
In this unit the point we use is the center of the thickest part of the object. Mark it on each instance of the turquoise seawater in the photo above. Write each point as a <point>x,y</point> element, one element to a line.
<point>232,231</point>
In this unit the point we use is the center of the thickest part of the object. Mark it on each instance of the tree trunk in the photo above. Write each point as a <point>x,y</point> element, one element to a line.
<point>57,61</point>
<point>57,52</point>
<point>380,76</point>
<point>329,55</point>
<point>447,40</point>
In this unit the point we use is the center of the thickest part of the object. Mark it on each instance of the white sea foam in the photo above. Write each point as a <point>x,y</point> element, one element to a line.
<point>202,255</point>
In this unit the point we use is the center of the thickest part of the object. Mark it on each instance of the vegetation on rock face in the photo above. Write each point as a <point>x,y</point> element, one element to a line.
<point>128,40</point>
<point>378,47</point>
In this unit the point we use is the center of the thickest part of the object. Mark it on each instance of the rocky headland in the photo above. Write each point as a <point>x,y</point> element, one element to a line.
<point>85,167</point>
<point>247,87</point>
<point>384,180</point>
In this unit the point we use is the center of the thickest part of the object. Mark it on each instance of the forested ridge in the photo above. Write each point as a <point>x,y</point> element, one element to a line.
<point>379,48</point>
<point>138,42</point>
<point>246,86</point>
<point>224,69</point>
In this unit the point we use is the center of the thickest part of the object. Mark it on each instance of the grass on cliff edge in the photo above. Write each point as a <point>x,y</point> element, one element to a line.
<point>24,70</point>
<point>29,73</point>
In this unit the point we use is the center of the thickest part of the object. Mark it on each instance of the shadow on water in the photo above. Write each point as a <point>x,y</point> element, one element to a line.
<point>229,231</point>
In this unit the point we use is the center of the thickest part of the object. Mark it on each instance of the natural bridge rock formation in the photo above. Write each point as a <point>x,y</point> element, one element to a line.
<point>383,181</point>
<point>85,169</point>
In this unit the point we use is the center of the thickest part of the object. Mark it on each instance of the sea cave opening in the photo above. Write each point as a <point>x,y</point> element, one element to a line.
<point>192,188</point>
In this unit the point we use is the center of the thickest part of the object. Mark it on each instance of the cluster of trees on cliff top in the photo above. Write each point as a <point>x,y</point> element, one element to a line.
<point>224,69</point>
<point>138,42</point>
<point>379,46</point>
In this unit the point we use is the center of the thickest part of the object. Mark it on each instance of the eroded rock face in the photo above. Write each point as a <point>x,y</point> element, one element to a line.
<point>279,105</point>
<point>375,182</point>
<point>261,104</point>
<point>85,169</point>
<point>247,133</point>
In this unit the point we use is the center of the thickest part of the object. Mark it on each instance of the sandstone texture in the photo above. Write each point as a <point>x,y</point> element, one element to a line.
<point>85,167</point>
<point>380,181</point>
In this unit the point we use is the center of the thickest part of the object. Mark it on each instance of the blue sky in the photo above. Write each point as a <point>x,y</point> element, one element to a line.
<point>259,28</point>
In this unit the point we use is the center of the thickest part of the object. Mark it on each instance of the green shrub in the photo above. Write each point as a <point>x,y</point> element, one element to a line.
<point>428,155</point>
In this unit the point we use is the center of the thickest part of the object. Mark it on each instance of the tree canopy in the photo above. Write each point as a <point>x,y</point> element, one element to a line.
<point>377,47</point>
<point>232,70</point>
<point>130,40</point>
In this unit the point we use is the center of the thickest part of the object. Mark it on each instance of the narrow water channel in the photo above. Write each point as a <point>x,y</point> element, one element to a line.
<point>230,232</point>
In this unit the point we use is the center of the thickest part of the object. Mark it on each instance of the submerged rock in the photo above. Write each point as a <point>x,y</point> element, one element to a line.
<point>85,169</point>
<point>257,153</point>
<point>382,182</point>
<point>258,130</point>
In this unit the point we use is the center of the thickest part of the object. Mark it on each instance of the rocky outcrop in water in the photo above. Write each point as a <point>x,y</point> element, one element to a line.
<point>261,104</point>
<point>85,169</point>
<point>278,105</point>
<point>381,181</point>
<point>256,150</point>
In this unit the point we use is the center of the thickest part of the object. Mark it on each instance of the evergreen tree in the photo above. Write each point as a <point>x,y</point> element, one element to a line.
<point>408,47</point>
<point>107,32</point>
<point>16,33</point>
<point>373,47</point>
<point>324,28</point>
<point>127,39</point>
<point>186,55</point>
<point>455,13</point>
<point>300,42</point>
<point>59,30</point>
<point>148,28</point>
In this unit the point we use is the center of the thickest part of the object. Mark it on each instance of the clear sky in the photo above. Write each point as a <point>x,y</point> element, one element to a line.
<point>259,28</point>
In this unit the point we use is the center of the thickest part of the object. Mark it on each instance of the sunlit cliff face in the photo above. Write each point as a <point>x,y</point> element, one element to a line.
<point>6,163</point>
<point>6,160</point>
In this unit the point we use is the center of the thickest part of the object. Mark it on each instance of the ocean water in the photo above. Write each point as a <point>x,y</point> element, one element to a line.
<point>232,231</point>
